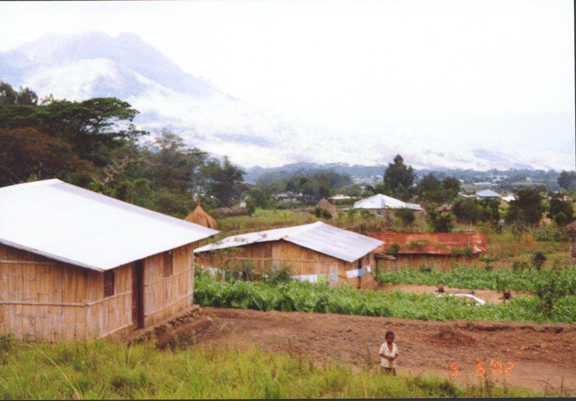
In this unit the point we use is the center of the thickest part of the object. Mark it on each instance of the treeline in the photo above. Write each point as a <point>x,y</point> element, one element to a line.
<point>95,145</point>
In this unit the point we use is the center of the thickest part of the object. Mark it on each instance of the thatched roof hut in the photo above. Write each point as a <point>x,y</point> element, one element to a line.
<point>324,204</point>
<point>200,217</point>
<point>571,230</point>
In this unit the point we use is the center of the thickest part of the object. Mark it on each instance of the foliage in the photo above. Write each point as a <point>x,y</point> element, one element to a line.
<point>26,154</point>
<point>528,206</point>
<point>558,206</point>
<point>224,182</point>
<point>8,96</point>
<point>430,189</point>
<point>393,249</point>
<point>566,180</point>
<point>112,370</point>
<point>406,216</point>
<point>398,179</point>
<point>439,223</point>
<point>552,287</point>
<point>538,258</point>
<point>308,297</point>
<point>466,252</point>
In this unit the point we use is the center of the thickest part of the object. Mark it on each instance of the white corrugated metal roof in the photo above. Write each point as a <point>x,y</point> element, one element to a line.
<point>84,228</point>
<point>380,201</point>
<point>488,193</point>
<point>320,237</point>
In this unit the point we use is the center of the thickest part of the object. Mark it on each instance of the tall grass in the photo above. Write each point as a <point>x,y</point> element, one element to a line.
<point>107,370</point>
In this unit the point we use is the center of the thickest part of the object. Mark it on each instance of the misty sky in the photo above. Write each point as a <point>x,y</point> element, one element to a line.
<point>445,68</point>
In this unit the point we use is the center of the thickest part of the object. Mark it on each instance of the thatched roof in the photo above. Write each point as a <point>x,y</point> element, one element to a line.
<point>324,204</point>
<point>571,229</point>
<point>200,217</point>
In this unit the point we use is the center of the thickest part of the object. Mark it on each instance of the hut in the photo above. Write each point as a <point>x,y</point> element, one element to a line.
<point>326,206</point>
<point>381,204</point>
<point>75,264</point>
<point>488,194</point>
<point>313,252</point>
<point>200,217</point>
<point>442,250</point>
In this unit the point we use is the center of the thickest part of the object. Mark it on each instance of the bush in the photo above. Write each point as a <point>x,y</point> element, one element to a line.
<point>393,249</point>
<point>538,258</point>
<point>560,219</point>
<point>406,216</point>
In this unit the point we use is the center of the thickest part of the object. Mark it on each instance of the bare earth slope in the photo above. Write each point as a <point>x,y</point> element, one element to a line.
<point>543,355</point>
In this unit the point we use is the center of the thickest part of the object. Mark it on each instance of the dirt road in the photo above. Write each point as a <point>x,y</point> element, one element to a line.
<point>540,357</point>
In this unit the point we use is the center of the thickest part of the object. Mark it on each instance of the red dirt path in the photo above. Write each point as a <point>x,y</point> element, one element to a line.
<point>544,355</point>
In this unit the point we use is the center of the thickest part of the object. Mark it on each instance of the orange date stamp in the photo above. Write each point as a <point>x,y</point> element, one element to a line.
<point>497,368</point>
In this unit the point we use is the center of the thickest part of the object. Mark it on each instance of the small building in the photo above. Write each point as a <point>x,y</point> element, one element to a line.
<point>326,206</point>
<point>438,249</point>
<point>313,250</point>
<point>488,194</point>
<point>75,264</point>
<point>200,217</point>
<point>381,204</point>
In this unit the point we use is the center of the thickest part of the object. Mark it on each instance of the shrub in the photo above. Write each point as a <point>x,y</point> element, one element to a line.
<point>393,249</point>
<point>538,258</point>
<point>560,219</point>
<point>406,216</point>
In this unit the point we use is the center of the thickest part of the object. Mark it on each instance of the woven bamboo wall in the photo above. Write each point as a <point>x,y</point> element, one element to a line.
<point>44,298</point>
<point>166,296</point>
<point>302,261</point>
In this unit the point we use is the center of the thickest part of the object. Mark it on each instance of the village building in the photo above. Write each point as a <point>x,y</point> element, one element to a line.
<point>488,194</point>
<point>314,251</point>
<point>75,264</point>
<point>441,250</point>
<point>200,217</point>
<point>381,204</point>
<point>326,206</point>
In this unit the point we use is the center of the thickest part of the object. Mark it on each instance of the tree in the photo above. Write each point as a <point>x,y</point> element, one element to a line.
<point>566,180</point>
<point>528,206</point>
<point>558,206</point>
<point>438,222</point>
<point>224,182</point>
<point>93,127</point>
<point>26,154</point>
<point>398,178</point>
<point>8,96</point>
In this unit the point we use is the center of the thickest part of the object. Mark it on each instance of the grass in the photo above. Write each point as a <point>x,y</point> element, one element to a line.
<point>109,370</point>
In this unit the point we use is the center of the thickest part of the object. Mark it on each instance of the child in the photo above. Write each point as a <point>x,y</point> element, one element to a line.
<point>389,353</point>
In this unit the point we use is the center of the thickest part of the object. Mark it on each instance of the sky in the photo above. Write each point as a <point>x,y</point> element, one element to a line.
<point>434,67</point>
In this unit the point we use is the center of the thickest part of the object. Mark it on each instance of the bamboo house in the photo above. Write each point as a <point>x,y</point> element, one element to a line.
<point>316,249</point>
<point>75,264</point>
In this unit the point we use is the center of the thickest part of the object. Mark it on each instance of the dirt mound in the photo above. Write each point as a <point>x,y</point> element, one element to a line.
<point>538,357</point>
<point>449,337</point>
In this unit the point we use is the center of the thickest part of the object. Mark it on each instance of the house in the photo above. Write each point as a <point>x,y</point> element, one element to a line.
<point>200,217</point>
<point>380,204</point>
<point>508,198</point>
<point>75,264</point>
<point>327,206</point>
<point>488,193</point>
<point>316,251</point>
<point>440,249</point>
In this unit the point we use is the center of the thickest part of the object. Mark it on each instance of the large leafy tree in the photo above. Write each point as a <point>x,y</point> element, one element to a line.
<point>398,178</point>
<point>93,127</point>
<point>557,206</point>
<point>528,206</point>
<point>225,182</point>
<point>567,180</point>
<point>26,154</point>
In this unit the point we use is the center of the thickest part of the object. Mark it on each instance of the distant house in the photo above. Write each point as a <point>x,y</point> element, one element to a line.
<point>438,249</point>
<point>288,197</point>
<point>380,204</point>
<point>488,194</point>
<point>326,206</point>
<point>339,198</point>
<point>75,264</point>
<point>316,251</point>
<point>508,198</point>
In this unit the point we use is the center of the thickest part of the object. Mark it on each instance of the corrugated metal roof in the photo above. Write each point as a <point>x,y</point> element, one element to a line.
<point>320,237</point>
<point>87,229</point>
<point>432,243</point>
<point>380,201</point>
<point>488,193</point>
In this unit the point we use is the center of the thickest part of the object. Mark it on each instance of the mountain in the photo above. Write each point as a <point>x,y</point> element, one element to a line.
<point>78,67</point>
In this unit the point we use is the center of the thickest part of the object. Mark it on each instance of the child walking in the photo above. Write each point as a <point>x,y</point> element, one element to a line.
<point>389,353</point>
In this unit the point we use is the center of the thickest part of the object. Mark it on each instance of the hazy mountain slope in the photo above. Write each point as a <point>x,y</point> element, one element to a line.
<point>78,67</point>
